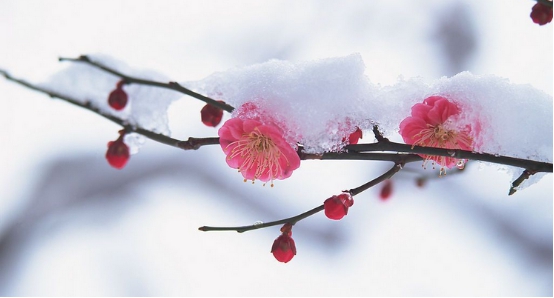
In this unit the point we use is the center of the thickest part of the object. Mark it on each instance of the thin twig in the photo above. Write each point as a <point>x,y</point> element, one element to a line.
<point>524,176</point>
<point>171,85</point>
<point>293,220</point>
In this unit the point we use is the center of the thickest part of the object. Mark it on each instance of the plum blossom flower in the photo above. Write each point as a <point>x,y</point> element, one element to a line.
<point>431,125</point>
<point>257,150</point>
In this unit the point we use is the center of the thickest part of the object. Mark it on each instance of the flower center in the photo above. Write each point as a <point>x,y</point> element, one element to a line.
<point>441,137</point>
<point>257,151</point>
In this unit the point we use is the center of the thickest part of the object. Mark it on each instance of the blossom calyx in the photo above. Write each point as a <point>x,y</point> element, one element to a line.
<point>336,207</point>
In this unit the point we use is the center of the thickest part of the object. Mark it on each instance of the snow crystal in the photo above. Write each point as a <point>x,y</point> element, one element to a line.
<point>147,106</point>
<point>319,103</point>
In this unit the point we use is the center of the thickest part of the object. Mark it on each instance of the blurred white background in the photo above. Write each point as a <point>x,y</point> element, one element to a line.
<point>71,225</point>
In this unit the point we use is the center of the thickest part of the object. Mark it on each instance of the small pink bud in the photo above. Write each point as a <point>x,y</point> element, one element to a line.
<point>211,115</point>
<point>283,248</point>
<point>355,137</point>
<point>541,14</point>
<point>336,207</point>
<point>118,153</point>
<point>386,191</point>
<point>118,98</point>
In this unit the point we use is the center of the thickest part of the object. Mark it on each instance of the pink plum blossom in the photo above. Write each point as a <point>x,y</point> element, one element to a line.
<point>432,125</point>
<point>257,150</point>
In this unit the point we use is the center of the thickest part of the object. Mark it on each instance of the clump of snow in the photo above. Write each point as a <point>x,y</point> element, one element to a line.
<point>134,141</point>
<point>147,106</point>
<point>319,103</point>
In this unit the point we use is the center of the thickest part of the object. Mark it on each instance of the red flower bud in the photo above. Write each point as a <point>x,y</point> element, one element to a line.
<point>541,14</point>
<point>211,115</point>
<point>283,248</point>
<point>386,191</point>
<point>336,207</point>
<point>118,153</point>
<point>118,98</point>
<point>355,137</point>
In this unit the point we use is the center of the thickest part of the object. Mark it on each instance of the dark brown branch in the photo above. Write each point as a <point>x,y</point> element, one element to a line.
<point>531,165</point>
<point>190,144</point>
<point>293,220</point>
<point>524,176</point>
<point>171,85</point>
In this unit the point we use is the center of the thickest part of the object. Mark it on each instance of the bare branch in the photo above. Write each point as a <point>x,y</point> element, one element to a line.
<point>293,220</point>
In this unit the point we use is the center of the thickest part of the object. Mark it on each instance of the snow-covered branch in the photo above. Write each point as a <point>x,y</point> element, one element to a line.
<point>354,152</point>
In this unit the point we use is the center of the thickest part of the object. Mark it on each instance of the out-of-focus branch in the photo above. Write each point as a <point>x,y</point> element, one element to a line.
<point>293,220</point>
<point>132,80</point>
